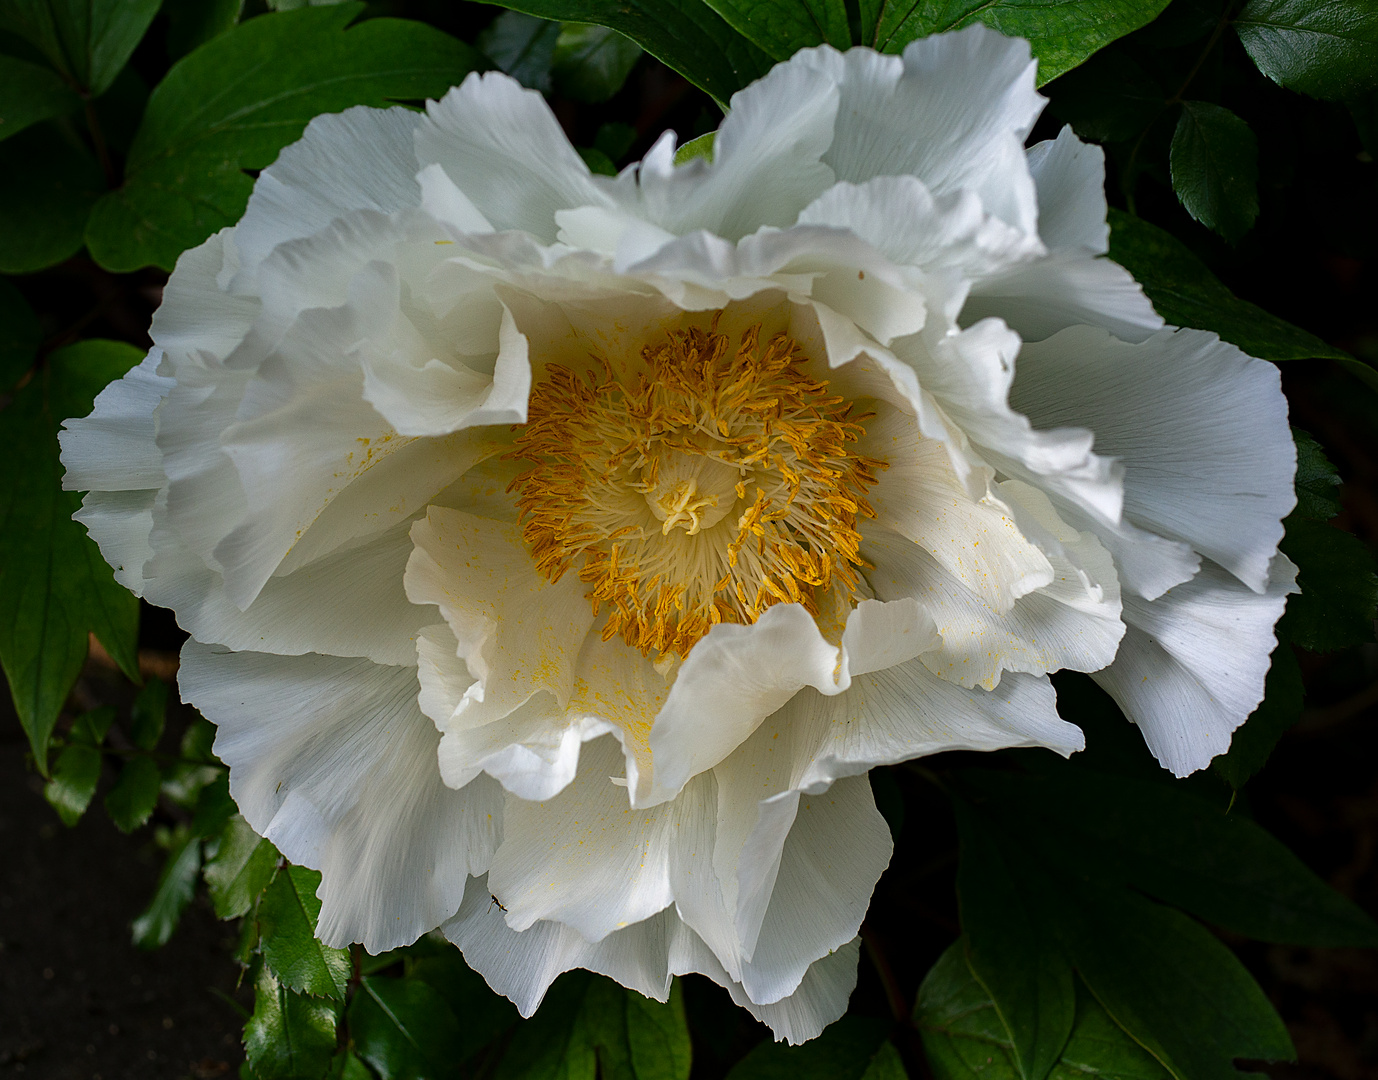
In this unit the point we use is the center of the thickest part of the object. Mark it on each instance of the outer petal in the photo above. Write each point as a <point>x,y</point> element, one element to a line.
<point>332,761</point>
<point>1192,666</point>
<point>1200,427</point>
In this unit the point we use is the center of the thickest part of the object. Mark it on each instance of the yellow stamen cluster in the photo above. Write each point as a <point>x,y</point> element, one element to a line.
<point>702,487</point>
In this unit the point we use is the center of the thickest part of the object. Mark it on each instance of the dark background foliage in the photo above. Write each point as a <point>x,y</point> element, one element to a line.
<point>1038,919</point>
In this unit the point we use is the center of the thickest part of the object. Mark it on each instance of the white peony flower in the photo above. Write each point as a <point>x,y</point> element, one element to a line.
<point>581,542</point>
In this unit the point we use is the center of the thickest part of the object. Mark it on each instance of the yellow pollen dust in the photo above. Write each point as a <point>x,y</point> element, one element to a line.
<point>703,487</point>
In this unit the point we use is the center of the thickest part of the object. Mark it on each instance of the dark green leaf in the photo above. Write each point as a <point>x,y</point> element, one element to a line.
<point>176,886</point>
<point>1062,34</point>
<point>1281,708</point>
<point>48,185</point>
<point>1110,98</point>
<point>964,1038</point>
<point>1012,945</point>
<point>240,869</point>
<point>89,41</point>
<point>214,807</point>
<point>184,177</point>
<point>191,23</point>
<point>1339,587</point>
<point>845,1051</point>
<point>19,335</point>
<point>554,1044</point>
<point>1317,481</point>
<point>130,802</point>
<point>1326,48</point>
<point>149,714</point>
<point>1214,163</point>
<point>30,93</point>
<point>658,1036</point>
<point>615,140</point>
<point>523,46</point>
<point>686,35</point>
<point>783,27</point>
<point>287,916</point>
<point>404,1029</point>
<point>75,775</point>
<point>597,161</point>
<point>54,586</point>
<point>592,62</point>
<point>1186,293</point>
<point>348,1067</point>
<point>290,1036</point>
<point>486,1014</point>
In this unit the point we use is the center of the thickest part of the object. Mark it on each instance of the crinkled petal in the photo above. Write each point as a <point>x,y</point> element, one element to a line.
<point>113,448</point>
<point>331,760</point>
<point>120,523</point>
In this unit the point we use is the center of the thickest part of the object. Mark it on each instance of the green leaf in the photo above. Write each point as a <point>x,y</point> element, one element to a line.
<point>192,23</point>
<point>54,586</point>
<point>555,1044</point>
<point>658,1035</point>
<point>1214,164</point>
<point>404,1029</point>
<point>75,775</point>
<point>30,93</point>
<point>702,147</point>
<point>19,336</point>
<point>213,808</point>
<point>1317,481</point>
<point>486,1014</point>
<point>240,869</point>
<point>176,886</point>
<point>290,1036</point>
<point>1326,48</point>
<point>184,176</point>
<point>1251,745</point>
<point>686,35</point>
<point>523,46</point>
<point>287,915</point>
<point>1186,293</point>
<point>783,27</point>
<point>89,41</point>
<point>592,62</point>
<point>149,714</point>
<point>1012,947</point>
<point>131,801</point>
<point>348,1067</point>
<point>1339,587</point>
<point>615,140</point>
<point>48,185</point>
<point>846,1050</point>
<point>1062,35</point>
<point>964,1038</point>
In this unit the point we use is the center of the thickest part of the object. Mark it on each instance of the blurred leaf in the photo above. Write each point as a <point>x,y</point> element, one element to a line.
<point>214,807</point>
<point>702,147</point>
<point>290,1036</point>
<point>134,795</point>
<point>19,335</point>
<point>1326,48</point>
<point>47,188</point>
<point>523,46</point>
<point>148,715</point>
<point>783,27</point>
<point>192,23</point>
<point>89,41</point>
<point>1214,161</point>
<point>597,161</point>
<point>1062,34</point>
<point>964,1039</point>
<point>658,1036</point>
<point>592,62</point>
<point>30,93</point>
<point>184,176</point>
<point>849,1049</point>
<point>1251,744</point>
<point>287,915</point>
<point>176,886</point>
<point>348,1067</point>
<point>240,869</point>
<point>686,35</point>
<point>54,586</point>
<point>75,775</point>
<point>404,1029</point>
<point>120,109</point>
<point>486,1015</point>
<point>555,1043</point>
<point>1186,293</point>
<point>1110,98</point>
<point>1339,587</point>
<point>615,140</point>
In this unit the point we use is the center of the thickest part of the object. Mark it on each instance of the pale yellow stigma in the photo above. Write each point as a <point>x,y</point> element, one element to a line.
<point>702,487</point>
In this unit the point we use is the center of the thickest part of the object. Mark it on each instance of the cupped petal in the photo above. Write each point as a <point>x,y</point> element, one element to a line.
<point>1192,666</point>
<point>503,148</point>
<point>1200,427</point>
<point>331,760</point>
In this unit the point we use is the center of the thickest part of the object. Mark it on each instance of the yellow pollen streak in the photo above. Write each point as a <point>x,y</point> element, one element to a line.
<point>702,487</point>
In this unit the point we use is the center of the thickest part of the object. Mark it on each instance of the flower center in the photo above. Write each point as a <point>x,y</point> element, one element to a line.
<point>701,487</point>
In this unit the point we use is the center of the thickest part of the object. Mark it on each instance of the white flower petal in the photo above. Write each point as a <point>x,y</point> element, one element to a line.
<point>504,149</point>
<point>1069,176</point>
<point>120,522</point>
<point>1200,427</point>
<point>1192,666</point>
<point>113,448</point>
<point>332,761</point>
